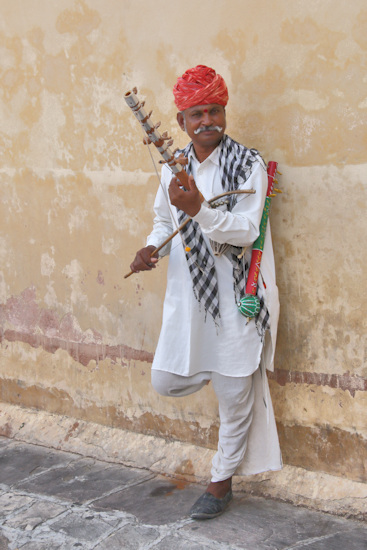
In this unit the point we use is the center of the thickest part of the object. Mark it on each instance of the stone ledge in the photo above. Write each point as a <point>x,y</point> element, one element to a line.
<point>316,490</point>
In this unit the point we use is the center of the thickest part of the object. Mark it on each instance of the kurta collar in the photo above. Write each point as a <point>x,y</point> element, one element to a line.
<point>213,157</point>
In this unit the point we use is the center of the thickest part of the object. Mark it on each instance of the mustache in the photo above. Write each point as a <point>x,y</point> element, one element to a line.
<point>208,129</point>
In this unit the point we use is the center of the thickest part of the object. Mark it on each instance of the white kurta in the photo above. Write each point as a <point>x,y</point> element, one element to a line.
<point>189,341</point>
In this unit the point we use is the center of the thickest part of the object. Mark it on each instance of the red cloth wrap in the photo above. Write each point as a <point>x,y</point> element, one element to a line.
<point>200,86</point>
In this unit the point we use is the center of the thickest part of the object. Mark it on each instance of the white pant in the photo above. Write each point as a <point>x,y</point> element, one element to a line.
<point>236,400</point>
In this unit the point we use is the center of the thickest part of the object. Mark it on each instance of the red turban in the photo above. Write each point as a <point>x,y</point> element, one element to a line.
<point>200,86</point>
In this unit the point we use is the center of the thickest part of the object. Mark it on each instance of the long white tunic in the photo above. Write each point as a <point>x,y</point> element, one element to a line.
<point>189,341</point>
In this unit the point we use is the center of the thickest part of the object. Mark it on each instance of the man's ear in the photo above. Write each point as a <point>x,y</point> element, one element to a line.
<point>181,120</point>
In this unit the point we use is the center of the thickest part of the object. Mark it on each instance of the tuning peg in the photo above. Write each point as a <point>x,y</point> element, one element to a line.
<point>157,125</point>
<point>146,141</point>
<point>278,190</point>
<point>165,135</point>
<point>272,195</point>
<point>182,160</point>
<point>280,173</point>
<point>150,114</point>
<point>170,142</point>
<point>135,90</point>
<point>142,103</point>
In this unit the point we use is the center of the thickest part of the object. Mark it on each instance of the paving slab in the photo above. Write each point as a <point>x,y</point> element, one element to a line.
<point>10,502</point>
<point>178,542</point>
<point>83,527</point>
<point>4,543</point>
<point>130,537</point>
<point>43,546</point>
<point>253,522</point>
<point>4,442</point>
<point>350,540</point>
<point>18,461</point>
<point>37,513</point>
<point>157,501</point>
<point>83,480</point>
<point>60,501</point>
<point>78,527</point>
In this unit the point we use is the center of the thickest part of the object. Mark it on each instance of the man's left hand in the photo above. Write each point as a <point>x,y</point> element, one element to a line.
<point>189,201</point>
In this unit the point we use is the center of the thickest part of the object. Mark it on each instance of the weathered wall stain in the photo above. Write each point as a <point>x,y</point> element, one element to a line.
<point>77,190</point>
<point>81,352</point>
<point>345,382</point>
<point>39,327</point>
<point>325,449</point>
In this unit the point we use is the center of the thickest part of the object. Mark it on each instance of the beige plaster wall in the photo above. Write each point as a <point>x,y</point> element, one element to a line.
<point>77,188</point>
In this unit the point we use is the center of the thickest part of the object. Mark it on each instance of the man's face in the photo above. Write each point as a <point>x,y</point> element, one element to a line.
<point>204,124</point>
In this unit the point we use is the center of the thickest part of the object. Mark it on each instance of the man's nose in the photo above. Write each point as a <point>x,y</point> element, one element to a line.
<point>206,119</point>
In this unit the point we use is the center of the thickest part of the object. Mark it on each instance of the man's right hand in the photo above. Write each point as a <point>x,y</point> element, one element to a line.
<point>143,260</point>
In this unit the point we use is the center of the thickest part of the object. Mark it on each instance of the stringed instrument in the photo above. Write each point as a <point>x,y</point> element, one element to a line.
<point>163,143</point>
<point>249,305</point>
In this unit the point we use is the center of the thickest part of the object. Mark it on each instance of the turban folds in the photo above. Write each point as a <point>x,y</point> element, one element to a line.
<point>200,86</point>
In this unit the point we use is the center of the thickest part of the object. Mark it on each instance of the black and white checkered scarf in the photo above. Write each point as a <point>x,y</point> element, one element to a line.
<point>235,165</point>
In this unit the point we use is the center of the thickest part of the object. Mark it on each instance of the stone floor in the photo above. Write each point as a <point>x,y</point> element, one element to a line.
<point>57,500</point>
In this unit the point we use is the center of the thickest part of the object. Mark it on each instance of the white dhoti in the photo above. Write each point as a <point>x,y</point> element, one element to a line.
<point>247,439</point>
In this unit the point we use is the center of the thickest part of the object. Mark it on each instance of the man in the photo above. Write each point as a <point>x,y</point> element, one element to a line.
<point>204,337</point>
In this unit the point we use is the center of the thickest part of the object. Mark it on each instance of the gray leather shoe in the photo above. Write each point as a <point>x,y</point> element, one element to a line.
<point>208,506</point>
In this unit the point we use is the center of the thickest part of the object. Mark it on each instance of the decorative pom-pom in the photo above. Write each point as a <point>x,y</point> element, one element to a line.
<point>187,249</point>
<point>249,306</point>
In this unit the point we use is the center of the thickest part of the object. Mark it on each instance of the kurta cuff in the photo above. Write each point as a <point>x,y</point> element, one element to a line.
<point>205,217</point>
<point>163,251</point>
